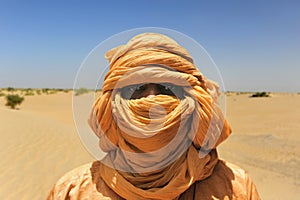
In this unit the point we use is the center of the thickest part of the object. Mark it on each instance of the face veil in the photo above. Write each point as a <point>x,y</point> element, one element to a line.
<point>156,147</point>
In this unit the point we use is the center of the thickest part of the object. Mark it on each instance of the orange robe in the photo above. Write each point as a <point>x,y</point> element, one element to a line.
<point>226,182</point>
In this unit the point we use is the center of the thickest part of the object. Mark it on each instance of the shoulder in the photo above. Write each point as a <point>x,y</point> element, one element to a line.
<point>228,181</point>
<point>83,182</point>
<point>76,175</point>
<point>242,183</point>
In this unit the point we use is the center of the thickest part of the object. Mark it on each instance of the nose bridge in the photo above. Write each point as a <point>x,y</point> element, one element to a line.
<point>151,89</point>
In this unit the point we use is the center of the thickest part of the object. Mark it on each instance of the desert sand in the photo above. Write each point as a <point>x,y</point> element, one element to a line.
<point>39,143</point>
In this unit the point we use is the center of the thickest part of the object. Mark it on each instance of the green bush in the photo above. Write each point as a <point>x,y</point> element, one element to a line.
<point>52,91</point>
<point>81,91</point>
<point>29,93</point>
<point>60,90</point>
<point>12,100</point>
<point>10,89</point>
<point>38,92</point>
<point>66,90</point>
<point>260,94</point>
<point>45,90</point>
<point>2,94</point>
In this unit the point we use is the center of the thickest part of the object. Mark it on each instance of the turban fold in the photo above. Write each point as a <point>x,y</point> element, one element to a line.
<point>156,147</point>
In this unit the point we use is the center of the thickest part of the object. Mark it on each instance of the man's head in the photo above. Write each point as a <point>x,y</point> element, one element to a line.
<point>154,99</point>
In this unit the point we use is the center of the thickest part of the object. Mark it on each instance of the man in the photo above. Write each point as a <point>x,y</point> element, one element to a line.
<point>159,122</point>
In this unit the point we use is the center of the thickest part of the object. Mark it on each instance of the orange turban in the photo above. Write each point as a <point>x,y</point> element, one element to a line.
<point>156,147</point>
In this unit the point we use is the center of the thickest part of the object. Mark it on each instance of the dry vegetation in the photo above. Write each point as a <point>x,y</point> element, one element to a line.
<point>15,96</point>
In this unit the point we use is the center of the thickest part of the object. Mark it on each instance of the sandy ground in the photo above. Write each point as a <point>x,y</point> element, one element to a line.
<point>266,142</point>
<point>39,143</point>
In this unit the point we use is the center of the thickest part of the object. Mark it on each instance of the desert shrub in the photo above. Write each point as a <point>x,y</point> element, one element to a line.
<point>2,94</point>
<point>12,100</point>
<point>29,93</point>
<point>52,91</point>
<point>38,92</point>
<point>45,90</point>
<point>260,94</point>
<point>81,91</point>
<point>66,90</point>
<point>61,90</point>
<point>10,89</point>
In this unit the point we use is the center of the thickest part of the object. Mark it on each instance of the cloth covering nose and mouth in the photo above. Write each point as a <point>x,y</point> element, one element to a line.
<point>158,147</point>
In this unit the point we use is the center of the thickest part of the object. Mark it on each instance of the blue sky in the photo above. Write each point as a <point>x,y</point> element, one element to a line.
<point>255,44</point>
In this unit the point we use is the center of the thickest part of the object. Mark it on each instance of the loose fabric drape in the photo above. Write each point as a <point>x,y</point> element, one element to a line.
<point>156,147</point>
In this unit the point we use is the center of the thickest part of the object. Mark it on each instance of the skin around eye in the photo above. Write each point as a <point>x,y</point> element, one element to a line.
<point>171,89</point>
<point>139,90</point>
<point>128,91</point>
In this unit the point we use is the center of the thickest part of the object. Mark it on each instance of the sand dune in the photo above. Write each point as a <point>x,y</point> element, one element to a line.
<point>266,142</point>
<point>39,143</point>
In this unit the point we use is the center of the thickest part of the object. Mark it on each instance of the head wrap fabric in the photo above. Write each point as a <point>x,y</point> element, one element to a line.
<point>153,143</point>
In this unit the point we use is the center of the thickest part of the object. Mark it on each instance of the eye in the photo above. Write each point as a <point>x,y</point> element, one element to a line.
<point>167,88</point>
<point>171,89</point>
<point>128,91</point>
<point>133,88</point>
